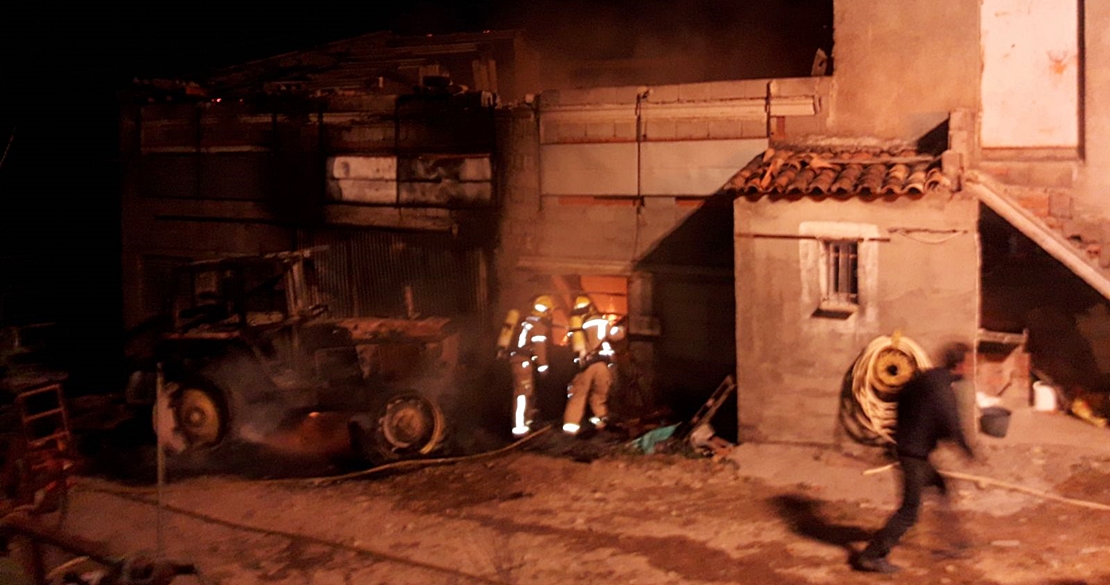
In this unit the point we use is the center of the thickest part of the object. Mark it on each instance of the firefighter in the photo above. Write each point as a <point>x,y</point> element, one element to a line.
<point>524,343</point>
<point>592,335</point>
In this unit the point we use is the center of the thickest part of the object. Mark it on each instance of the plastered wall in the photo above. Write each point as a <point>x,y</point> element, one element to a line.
<point>790,363</point>
<point>1030,73</point>
<point>901,67</point>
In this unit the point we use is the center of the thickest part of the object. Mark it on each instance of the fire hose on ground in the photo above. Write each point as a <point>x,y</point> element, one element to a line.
<point>330,479</point>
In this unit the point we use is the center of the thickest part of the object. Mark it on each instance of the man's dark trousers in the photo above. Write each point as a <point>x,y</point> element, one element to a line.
<point>917,473</point>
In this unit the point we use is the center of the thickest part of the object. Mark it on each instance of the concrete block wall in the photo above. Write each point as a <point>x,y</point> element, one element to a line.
<point>611,230</point>
<point>601,219</point>
<point>517,164</point>
<point>686,92</point>
<point>585,217</point>
<point>607,114</point>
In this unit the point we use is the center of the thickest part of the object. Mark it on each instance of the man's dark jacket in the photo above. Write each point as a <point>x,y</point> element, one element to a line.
<point>927,413</point>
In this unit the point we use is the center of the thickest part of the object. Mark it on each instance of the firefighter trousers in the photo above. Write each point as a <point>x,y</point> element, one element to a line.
<point>590,384</point>
<point>524,407</point>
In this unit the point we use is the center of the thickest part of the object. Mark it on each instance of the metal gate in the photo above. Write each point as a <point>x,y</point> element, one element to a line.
<point>395,274</point>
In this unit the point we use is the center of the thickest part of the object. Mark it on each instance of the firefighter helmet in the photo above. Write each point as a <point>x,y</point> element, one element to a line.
<point>542,305</point>
<point>582,303</point>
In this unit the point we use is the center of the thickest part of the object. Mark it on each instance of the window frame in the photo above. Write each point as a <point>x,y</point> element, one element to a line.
<point>816,302</point>
<point>836,255</point>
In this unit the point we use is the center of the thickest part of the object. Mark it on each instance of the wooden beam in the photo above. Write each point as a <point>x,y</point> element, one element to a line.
<point>1028,224</point>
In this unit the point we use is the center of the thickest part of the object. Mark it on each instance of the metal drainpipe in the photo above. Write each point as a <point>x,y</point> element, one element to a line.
<point>639,141</point>
<point>397,150</point>
<point>198,161</point>
<point>640,97</point>
<point>767,110</point>
<point>537,117</point>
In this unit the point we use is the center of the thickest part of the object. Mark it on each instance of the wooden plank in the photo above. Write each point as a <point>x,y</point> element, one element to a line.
<point>1003,338</point>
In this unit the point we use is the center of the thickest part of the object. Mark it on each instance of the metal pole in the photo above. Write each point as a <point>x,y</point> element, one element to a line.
<point>159,405</point>
<point>639,204</point>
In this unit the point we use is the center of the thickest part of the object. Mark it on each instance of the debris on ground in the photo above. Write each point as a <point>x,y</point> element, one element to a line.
<point>648,441</point>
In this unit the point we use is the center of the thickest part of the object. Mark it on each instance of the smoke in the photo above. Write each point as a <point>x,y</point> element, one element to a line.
<point>291,424</point>
<point>632,43</point>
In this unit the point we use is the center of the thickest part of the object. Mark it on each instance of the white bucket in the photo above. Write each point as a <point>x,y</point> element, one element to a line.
<point>1044,397</point>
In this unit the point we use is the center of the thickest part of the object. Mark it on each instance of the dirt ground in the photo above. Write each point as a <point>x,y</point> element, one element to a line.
<point>557,510</point>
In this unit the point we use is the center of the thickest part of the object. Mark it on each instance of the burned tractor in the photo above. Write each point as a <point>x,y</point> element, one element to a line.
<point>253,353</point>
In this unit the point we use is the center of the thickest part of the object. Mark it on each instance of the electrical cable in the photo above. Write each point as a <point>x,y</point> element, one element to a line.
<point>940,239</point>
<point>885,365</point>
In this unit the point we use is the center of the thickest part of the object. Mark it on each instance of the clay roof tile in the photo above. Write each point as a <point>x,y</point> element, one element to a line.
<point>841,172</point>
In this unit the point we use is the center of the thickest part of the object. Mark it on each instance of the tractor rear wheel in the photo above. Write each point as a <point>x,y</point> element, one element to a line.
<point>401,426</point>
<point>195,416</point>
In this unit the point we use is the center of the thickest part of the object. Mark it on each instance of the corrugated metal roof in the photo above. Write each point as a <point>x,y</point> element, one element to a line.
<point>374,61</point>
<point>382,63</point>
<point>839,172</point>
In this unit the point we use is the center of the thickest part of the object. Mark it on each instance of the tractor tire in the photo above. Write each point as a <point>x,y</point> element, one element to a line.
<point>196,417</point>
<point>400,425</point>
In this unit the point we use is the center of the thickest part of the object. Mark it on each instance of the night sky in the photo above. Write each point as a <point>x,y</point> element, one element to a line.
<point>60,68</point>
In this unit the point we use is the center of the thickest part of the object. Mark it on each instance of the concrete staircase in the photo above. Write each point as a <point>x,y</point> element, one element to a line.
<point>1037,200</point>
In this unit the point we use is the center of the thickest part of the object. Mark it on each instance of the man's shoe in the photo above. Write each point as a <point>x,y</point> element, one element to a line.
<point>874,565</point>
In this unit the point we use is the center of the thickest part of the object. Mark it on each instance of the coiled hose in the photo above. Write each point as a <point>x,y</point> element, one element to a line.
<point>879,373</point>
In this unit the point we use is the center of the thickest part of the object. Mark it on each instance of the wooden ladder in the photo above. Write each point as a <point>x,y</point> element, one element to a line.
<point>42,412</point>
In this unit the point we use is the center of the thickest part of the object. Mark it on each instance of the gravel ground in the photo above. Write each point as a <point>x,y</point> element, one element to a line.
<point>559,510</point>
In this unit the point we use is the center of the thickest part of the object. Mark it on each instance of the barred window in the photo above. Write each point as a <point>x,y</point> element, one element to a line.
<point>841,278</point>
